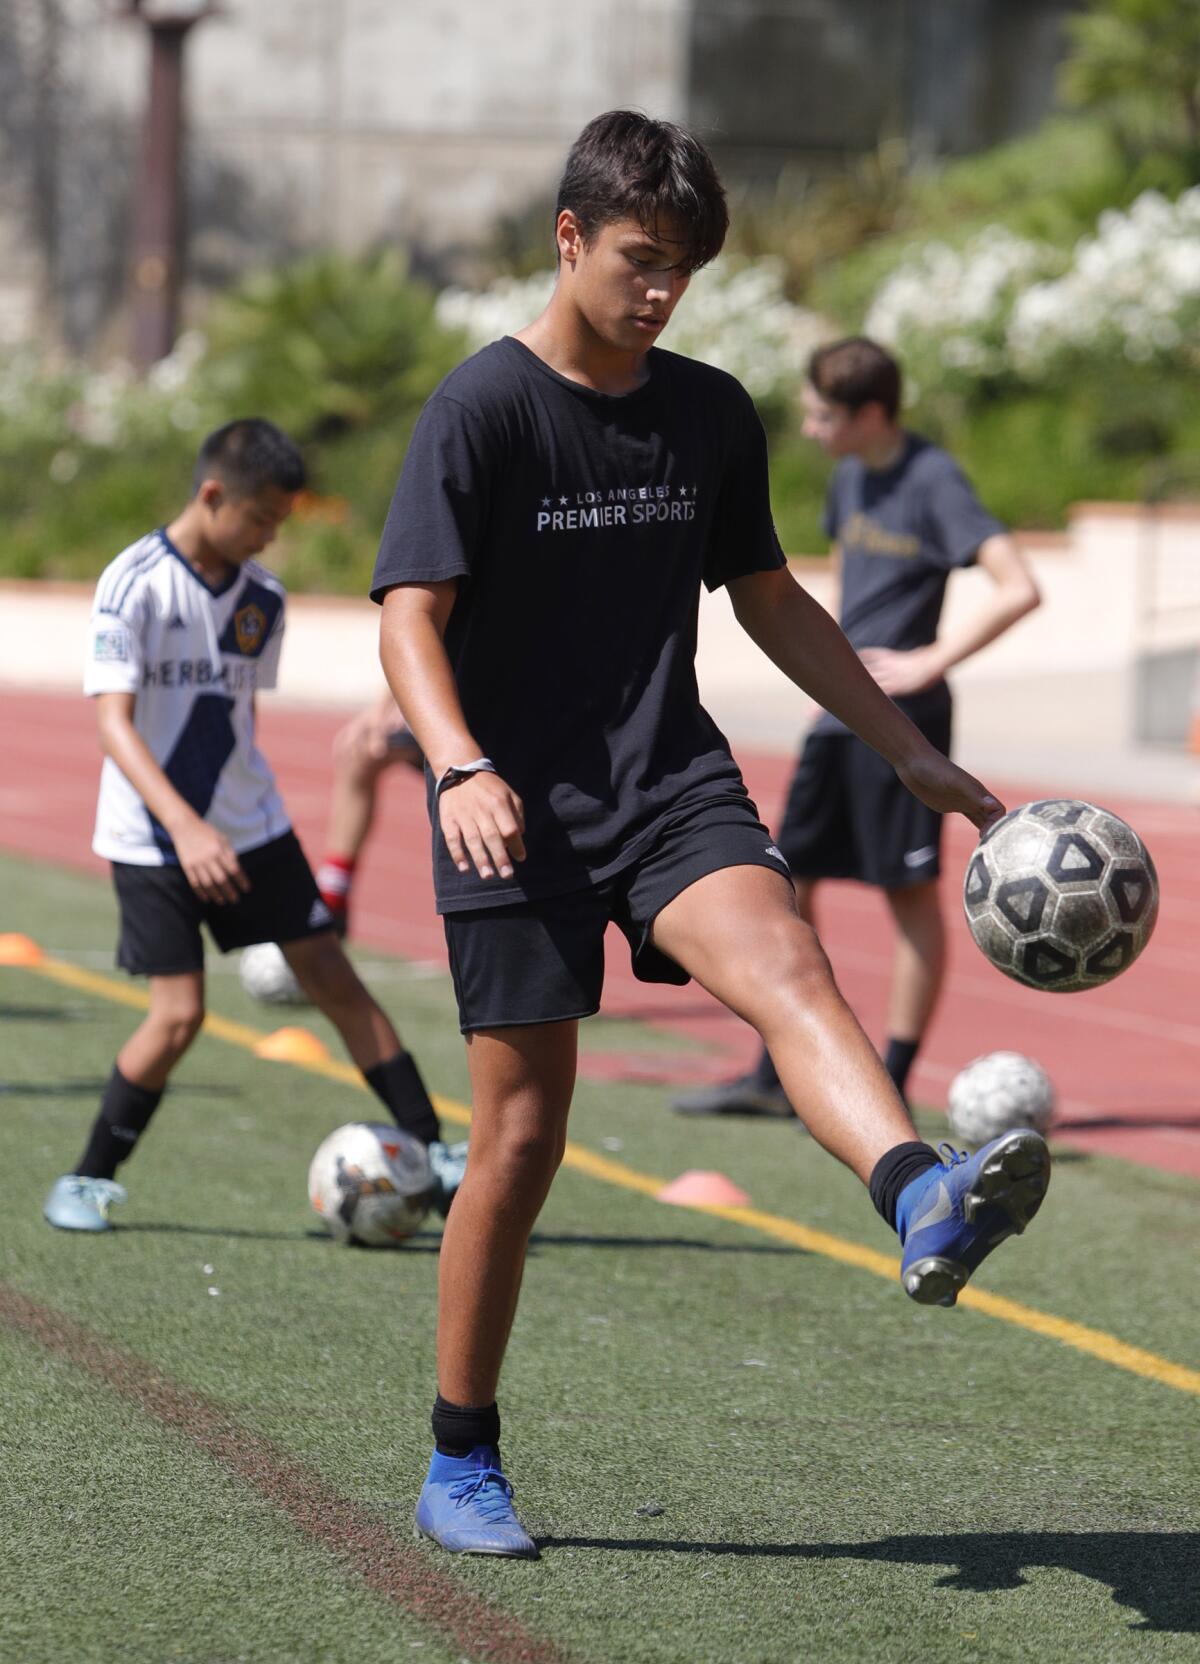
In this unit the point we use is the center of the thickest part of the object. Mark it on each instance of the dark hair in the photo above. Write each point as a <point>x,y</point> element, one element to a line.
<point>627,166</point>
<point>249,456</point>
<point>856,372</point>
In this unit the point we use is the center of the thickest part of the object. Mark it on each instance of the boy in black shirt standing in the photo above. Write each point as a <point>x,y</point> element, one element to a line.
<point>902,516</point>
<point>565,493</point>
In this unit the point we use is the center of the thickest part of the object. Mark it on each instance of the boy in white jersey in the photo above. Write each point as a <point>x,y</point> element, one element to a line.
<point>186,626</point>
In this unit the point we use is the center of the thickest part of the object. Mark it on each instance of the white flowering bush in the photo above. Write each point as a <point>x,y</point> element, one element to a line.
<point>503,308</point>
<point>43,400</point>
<point>1008,306</point>
<point>946,310</point>
<point>1131,291</point>
<point>734,316</point>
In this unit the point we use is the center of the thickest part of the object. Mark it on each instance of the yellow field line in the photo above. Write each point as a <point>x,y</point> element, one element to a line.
<point>1096,1342</point>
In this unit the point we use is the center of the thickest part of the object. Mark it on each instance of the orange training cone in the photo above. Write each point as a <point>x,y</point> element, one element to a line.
<point>696,1188</point>
<point>292,1045</point>
<point>16,949</point>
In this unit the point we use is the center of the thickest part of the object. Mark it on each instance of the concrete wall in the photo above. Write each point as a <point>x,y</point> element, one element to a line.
<point>1068,680</point>
<point>343,122</point>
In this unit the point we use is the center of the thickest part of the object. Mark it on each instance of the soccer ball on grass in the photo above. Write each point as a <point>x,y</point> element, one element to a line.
<point>370,1184</point>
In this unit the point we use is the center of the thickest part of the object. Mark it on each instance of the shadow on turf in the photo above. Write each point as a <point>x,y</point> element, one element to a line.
<point>93,1089</point>
<point>47,1013</point>
<point>425,1242</point>
<point>1152,1571</point>
<point>430,1242</point>
<point>544,1239</point>
<point>1145,1120</point>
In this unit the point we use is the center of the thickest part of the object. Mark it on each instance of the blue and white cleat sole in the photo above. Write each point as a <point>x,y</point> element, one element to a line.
<point>514,1549</point>
<point>1007,1191</point>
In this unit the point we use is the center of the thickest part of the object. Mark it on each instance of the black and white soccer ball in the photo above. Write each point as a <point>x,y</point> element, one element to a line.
<point>995,1094</point>
<point>266,976</point>
<point>1061,895</point>
<point>370,1184</point>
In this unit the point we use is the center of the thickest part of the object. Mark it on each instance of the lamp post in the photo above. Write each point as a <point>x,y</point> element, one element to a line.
<point>157,251</point>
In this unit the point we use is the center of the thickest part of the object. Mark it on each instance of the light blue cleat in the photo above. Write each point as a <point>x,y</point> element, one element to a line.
<point>448,1163</point>
<point>79,1204</point>
<point>466,1506</point>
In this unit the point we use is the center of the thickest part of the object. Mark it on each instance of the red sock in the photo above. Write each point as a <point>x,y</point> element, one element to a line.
<point>335,876</point>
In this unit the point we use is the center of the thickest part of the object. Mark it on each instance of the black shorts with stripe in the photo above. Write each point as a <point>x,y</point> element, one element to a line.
<point>161,914</point>
<point>848,816</point>
<point>542,961</point>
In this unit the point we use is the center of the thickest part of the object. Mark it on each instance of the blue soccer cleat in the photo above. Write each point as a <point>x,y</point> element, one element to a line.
<point>79,1204</point>
<point>466,1506</point>
<point>952,1216</point>
<point>448,1164</point>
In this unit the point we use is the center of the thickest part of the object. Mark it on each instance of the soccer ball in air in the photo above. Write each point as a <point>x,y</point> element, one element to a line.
<point>1061,895</point>
<point>996,1093</point>
<point>267,976</point>
<point>370,1184</point>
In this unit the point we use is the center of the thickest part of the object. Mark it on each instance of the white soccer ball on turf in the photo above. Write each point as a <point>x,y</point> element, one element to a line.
<point>267,976</point>
<point>370,1184</point>
<point>996,1093</point>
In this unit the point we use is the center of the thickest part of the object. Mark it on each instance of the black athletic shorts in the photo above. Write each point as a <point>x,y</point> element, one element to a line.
<point>848,816</point>
<point>542,961</point>
<point>161,914</point>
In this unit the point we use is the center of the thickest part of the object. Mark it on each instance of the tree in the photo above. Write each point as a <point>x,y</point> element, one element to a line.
<point>1138,62</point>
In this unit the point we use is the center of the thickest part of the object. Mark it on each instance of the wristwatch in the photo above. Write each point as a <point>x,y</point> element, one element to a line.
<point>458,772</point>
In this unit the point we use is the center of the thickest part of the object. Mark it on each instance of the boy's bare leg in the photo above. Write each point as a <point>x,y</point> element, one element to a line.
<point>806,899</point>
<point>170,1025</point>
<point>353,798</point>
<point>335,987</point>
<point>739,933</point>
<point>80,1200</point>
<point>521,1085</point>
<point>919,963</point>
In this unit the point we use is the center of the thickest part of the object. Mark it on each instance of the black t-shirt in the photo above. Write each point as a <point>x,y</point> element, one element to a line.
<point>901,531</point>
<point>581,525</point>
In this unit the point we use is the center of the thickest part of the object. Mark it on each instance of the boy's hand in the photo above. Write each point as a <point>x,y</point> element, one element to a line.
<point>483,819</point>
<point>210,863</point>
<point>899,672</point>
<point>943,786</point>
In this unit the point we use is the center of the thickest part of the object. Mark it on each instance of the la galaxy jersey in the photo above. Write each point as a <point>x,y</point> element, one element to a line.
<point>192,656</point>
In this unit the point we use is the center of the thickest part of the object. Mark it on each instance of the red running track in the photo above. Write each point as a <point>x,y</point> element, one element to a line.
<point>1125,1059</point>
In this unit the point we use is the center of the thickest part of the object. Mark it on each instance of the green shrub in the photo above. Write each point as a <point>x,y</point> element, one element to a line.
<point>328,344</point>
<point>340,352</point>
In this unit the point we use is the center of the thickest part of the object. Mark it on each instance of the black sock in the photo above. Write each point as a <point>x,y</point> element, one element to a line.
<point>898,1060</point>
<point>398,1085</point>
<point>125,1111</point>
<point>763,1076</point>
<point>897,1167</point>
<point>457,1430</point>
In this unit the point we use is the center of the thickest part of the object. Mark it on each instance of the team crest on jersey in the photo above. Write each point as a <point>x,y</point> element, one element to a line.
<point>249,623</point>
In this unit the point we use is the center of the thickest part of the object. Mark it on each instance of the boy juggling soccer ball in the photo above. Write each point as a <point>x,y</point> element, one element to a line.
<point>186,625</point>
<point>565,493</point>
<point>902,516</point>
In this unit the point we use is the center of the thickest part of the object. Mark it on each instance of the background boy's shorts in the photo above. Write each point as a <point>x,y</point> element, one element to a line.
<point>542,961</point>
<point>161,914</point>
<point>848,816</point>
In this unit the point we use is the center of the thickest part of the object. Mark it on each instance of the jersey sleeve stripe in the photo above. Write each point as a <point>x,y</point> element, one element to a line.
<point>143,568</point>
<point>118,571</point>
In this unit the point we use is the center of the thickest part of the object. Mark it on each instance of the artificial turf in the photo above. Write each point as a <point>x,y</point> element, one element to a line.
<point>730,1450</point>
